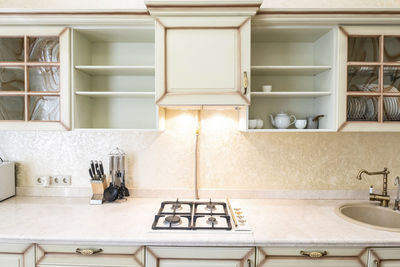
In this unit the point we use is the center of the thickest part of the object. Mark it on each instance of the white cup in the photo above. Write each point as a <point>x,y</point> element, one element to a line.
<point>267,88</point>
<point>252,124</point>
<point>260,123</point>
<point>300,124</point>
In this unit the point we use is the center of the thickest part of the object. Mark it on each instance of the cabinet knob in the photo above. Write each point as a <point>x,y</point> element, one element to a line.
<point>245,82</point>
<point>88,252</point>
<point>314,254</point>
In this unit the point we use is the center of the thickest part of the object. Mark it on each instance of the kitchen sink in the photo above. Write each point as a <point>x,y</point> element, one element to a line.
<point>371,215</point>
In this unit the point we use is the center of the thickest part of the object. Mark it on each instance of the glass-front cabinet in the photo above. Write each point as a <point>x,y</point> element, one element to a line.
<point>369,87</point>
<point>34,78</point>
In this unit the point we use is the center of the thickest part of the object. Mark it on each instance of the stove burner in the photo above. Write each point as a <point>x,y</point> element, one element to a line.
<point>173,220</point>
<point>211,206</point>
<point>212,220</point>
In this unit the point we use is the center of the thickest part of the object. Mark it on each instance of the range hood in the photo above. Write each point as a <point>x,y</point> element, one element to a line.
<point>202,52</point>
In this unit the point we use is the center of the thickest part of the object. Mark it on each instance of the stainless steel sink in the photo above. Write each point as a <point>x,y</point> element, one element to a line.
<point>371,215</point>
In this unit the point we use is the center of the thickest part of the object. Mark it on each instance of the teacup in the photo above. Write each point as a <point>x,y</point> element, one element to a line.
<point>301,124</point>
<point>260,123</point>
<point>267,88</point>
<point>252,124</point>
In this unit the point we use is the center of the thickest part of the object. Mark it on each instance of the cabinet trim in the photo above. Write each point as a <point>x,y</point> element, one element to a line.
<point>265,257</point>
<point>20,253</point>
<point>134,255</point>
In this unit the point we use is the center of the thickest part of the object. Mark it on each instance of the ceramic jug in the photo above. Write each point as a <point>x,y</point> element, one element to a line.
<point>282,120</point>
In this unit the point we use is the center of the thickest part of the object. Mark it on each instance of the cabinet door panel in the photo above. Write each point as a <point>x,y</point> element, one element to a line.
<point>11,260</point>
<point>384,257</point>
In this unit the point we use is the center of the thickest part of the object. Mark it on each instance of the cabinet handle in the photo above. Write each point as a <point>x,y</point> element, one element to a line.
<point>245,82</point>
<point>88,252</point>
<point>377,263</point>
<point>249,263</point>
<point>314,254</point>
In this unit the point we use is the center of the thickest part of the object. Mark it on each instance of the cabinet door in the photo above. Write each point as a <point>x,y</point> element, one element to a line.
<point>369,80</point>
<point>301,257</point>
<point>199,257</point>
<point>103,256</point>
<point>384,257</point>
<point>200,64</point>
<point>34,78</point>
<point>17,255</point>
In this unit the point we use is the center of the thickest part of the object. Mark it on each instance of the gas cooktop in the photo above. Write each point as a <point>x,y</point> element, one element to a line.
<point>198,215</point>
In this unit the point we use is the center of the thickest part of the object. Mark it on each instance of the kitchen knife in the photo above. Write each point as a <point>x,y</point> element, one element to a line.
<point>93,169</point>
<point>101,169</point>
<point>96,166</point>
<point>90,173</point>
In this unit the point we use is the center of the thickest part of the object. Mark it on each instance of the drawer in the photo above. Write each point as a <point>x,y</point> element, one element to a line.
<point>312,257</point>
<point>384,257</point>
<point>107,256</point>
<point>17,255</point>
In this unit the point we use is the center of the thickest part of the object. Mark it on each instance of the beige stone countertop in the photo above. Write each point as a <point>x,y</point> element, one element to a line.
<point>274,223</point>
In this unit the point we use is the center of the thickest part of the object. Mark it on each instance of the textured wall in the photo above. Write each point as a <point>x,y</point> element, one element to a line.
<point>229,159</point>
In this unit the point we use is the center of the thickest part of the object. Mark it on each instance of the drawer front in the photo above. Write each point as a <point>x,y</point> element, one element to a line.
<point>302,257</point>
<point>384,257</point>
<point>107,256</point>
<point>199,256</point>
<point>13,255</point>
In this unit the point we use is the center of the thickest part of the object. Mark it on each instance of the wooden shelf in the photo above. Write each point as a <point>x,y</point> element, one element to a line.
<point>288,70</point>
<point>113,94</point>
<point>290,94</point>
<point>116,70</point>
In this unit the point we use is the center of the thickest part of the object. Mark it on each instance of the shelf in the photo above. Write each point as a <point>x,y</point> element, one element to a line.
<point>114,94</point>
<point>289,130</point>
<point>290,94</point>
<point>289,70</point>
<point>116,70</point>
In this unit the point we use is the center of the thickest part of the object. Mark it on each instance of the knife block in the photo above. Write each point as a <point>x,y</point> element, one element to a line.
<point>98,187</point>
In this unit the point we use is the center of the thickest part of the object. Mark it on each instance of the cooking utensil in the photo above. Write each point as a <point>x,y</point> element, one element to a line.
<point>111,192</point>
<point>125,190</point>
<point>313,121</point>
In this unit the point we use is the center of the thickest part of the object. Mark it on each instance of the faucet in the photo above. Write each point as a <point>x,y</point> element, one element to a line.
<point>397,200</point>
<point>383,198</point>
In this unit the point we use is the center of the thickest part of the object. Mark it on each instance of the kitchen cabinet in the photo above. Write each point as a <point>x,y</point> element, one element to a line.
<point>113,78</point>
<point>299,62</point>
<point>34,78</point>
<point>199,257</point>
<point>88,255</point>
<point>312,257</point>
<point>369,79</point>
<point>17,255</point>
<point>203,59</point>
<point>384,257</point>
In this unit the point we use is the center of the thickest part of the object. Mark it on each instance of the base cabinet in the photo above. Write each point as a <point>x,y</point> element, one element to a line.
<point>200,257</point>
<point>384,257</point>
<point>312,257</point>
<point>17,255</point>
<point>85,256</point>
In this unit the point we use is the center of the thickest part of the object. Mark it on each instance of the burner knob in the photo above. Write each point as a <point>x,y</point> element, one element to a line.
<point>242,221</point>
<point>237,209</point>
<point>238,212</point>
<point>240,216</point>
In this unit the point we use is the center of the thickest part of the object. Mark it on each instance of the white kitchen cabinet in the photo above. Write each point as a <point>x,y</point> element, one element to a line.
<point>35,78</point>
<point>113,78</point>
<point>302,257</point>
<point>103,256</point>
<point>299,62</point>
<point>203,59</point>
<point>199,257</point>
<point>369,80</point>
<point>17,255</point>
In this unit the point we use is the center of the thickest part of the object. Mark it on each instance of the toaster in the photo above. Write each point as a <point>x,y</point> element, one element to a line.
<point>7,180</point>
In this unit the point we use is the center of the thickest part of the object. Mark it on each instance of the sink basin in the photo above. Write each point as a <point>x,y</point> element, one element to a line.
<point>370,215</point>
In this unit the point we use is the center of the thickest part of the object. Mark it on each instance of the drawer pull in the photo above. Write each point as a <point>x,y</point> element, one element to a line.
<point>245,82</point>
<point>377,263</point>
<point>314,254</point>
<point>88,252</point>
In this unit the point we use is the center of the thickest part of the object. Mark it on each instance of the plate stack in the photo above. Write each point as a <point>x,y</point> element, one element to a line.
<point>391,106</point>
<point>362,108</point>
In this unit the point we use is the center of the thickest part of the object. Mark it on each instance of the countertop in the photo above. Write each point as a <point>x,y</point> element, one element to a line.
<point>274,223</point>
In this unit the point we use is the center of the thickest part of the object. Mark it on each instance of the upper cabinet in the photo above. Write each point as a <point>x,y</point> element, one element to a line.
<point>369,96</point>
<point>202,53</point>
<point>34,78</point>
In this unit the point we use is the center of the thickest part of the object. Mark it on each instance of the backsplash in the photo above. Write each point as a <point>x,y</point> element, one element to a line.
<point>229,159</point>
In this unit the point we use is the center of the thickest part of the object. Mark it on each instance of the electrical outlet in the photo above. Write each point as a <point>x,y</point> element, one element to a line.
<point>60,180</point>
<point>43,180</point>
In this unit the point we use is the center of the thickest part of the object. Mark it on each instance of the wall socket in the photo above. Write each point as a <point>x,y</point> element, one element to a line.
<point>54,180</point>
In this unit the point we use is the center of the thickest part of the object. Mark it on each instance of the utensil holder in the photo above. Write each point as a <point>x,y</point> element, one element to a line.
<point>98,187</point>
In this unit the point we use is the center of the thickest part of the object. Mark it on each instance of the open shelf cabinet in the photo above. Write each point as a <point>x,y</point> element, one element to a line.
<point>370,78</point>
<point>299,62</point>
<point>113,78</point>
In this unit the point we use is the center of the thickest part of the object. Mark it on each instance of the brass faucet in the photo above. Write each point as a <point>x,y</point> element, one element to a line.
<point>384,198</point>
